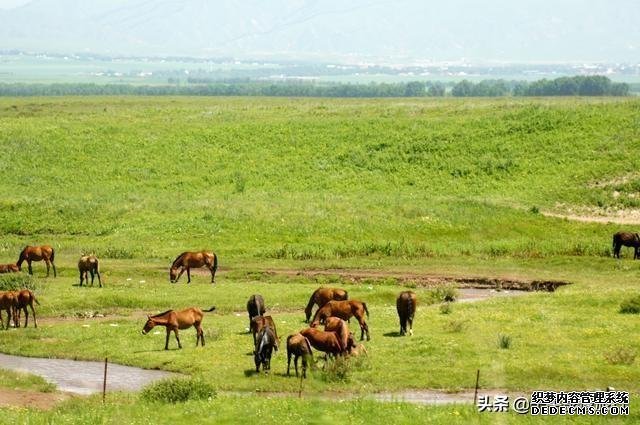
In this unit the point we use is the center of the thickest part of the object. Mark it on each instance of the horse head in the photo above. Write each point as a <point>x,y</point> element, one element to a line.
<point>148,326</point>
<point>173,274</point>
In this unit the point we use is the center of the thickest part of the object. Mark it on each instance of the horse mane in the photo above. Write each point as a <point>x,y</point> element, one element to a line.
<point>22,255</point>
<point>160,314</point>
<point>175,262</point>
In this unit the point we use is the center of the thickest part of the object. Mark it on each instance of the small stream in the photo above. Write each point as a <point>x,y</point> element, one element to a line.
<point>83,377</point>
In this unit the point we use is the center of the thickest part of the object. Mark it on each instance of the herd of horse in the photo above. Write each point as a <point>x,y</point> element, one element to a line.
<point>335,309</point>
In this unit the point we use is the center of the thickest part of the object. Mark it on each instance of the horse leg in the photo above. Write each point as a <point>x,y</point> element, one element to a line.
<point>213,273</point>
<point>35,322</point>
<point>81,276</point>
<point>46,261</point>
<point>410,326</point>
<point>289,363</point>
<point>177,339</point>
<point>55,274</point>
<point>363,328</point>
<point>179,274</point>
<point>166,341</point>
<point>188,274</point>
<point>92,276</point>
<point>30,269</point>
<point>99,280</point>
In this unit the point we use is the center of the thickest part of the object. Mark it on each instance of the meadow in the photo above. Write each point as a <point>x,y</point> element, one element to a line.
<point>400,187</point>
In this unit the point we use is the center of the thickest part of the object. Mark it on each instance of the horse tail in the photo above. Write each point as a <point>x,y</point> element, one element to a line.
<point>365,309</point>
<point>53,255</point>
<point>409,307</point>
<point>210,310</point>
<point>215,262</point>
<point>308,345</point>
<point>35,299</point>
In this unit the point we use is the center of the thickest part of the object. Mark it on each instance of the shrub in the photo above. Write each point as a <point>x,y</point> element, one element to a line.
<point>455,326</point>
<point>17,281</point>
<point>178,390</point>
<point>620,356</point>
<point>444,293</point>
<point>445,308</point>
<point>504,341</point>
<point>631,305</point>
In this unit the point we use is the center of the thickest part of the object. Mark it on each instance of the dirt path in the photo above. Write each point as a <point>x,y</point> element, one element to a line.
<point>623,217</point>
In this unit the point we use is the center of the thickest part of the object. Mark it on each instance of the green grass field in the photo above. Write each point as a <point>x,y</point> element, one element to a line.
<point>399,187</point>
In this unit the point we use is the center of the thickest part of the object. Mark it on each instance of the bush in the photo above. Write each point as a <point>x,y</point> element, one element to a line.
<point>17,281</point>
<point>631,305</point>
<point>445,308</point>
<point>504,342</point>
<point>444,293</point>
<point>455,326</point>
<point>178,390</point>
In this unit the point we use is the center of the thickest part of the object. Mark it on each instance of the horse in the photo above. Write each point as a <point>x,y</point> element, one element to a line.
<point>25,298</point>
<point>626,239</point>
<point>298,346</point>
<point>37,253</point>
<point>324,341</point>
<point>9,268</point>
<point>265,345</point>
<point>344,310</point>
<point>89,264</point>
<point>322,295</point>
<point>186,260</point>
<point>174,320</point>
<point>8,303</point>
<point>255,307</point>
<point>339,326</point>
<point>406,307</point>
<point>259,322</point>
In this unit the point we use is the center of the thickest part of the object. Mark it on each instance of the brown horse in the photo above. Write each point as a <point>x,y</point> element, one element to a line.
<point>406,307</point>
<point>24,299</point>
<point>8,303</point>
<point>89,264</point>
<point>9,268</point>
<point>187,260</point>
<point>344,310</point>
<point>298,346</point>
<point>322,295</point>
<point>37,253</point>
<point>626,239</point>
<point>339,326</point>
<point>265,345</point>
<point>174,320</point>
<point>258,323</point>
<point>324,341</point>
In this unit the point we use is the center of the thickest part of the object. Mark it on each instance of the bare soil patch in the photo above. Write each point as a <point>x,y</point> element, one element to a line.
<point>22,398</point>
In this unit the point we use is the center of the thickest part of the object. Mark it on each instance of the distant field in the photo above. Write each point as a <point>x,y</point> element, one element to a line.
<point>397,187</point>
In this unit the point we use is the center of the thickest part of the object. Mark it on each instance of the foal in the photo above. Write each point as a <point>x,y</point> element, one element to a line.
<point>174,320</point>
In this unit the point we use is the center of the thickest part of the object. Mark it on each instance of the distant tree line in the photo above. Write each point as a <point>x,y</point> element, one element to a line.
<point>564,86</point>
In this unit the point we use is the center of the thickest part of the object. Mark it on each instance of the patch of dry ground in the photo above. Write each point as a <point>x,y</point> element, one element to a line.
<point>22,398</point>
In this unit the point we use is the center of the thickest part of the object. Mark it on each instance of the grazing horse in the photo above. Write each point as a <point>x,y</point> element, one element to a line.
<point>626,239</point>
<point>339,326</point>
<point>255,307</point>
<point>89,264</point>
<point>298,346</point>
<point>8,303</point>
<point>344,310</point>
<point>321,296</point>
<point>174,320</point>
<point>187,260</point>
<point>37,253</point>
<point>9,268</point>
<point>24,299</point>
<point>324,341</point>
<point>406,306</point>
<point>265,345</point>
<point>259,322</point>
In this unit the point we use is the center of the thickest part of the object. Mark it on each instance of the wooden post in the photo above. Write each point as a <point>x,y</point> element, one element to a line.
<point>475,394</point>
<point>104,382</point>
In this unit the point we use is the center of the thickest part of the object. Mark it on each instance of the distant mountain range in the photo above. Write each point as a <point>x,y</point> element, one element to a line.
<point>353,30</point>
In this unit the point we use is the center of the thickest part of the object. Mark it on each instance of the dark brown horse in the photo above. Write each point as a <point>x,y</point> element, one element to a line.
<point>89,264</point>
<point>37,253</point>
<point>258,323</point>
<point>174,320</point>
<point>24,299</point>
<point>321,296</point>
<point>298,346</point>
<point>9,268</point>
<point>626,239</point>
<point>187,260</point>
<point>255,308</point>
<point>406,307</point>
<point>265,345</point>
<point>344,310</point>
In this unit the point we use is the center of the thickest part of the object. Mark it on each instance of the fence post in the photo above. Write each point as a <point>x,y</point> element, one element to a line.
<point>475,394</point>
<point>104,382</point>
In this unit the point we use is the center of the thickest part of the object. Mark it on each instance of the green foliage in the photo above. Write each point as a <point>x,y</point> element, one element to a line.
<point>445,293</point>
<point>504,341</point>
<point>17,281</point>
<point>24,381</point>
<point>178,390</point>
<point>631,305</point>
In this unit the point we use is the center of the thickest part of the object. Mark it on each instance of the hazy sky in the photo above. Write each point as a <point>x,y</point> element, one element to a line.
<point>402,30</point>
